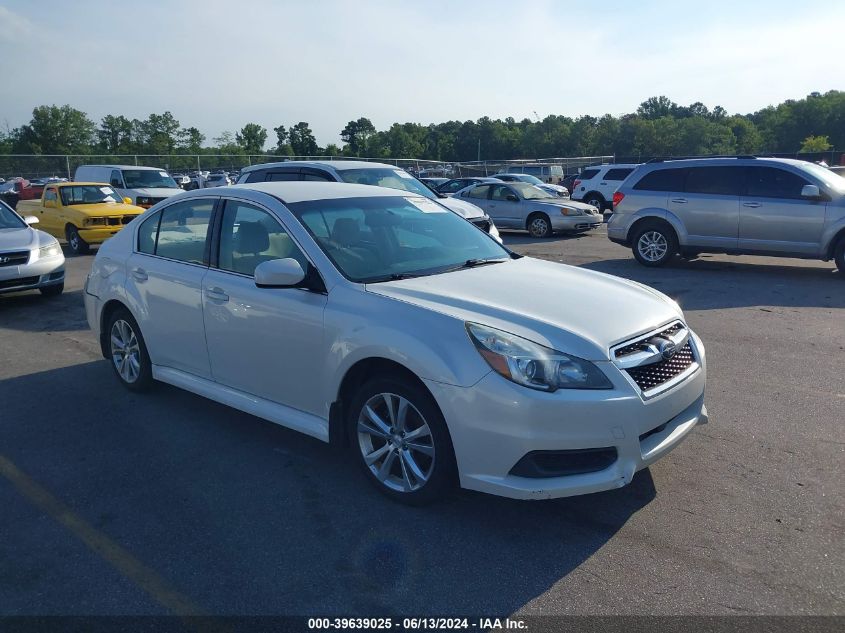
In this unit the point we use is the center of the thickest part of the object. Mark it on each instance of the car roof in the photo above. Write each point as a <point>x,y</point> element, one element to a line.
<point>299,191</point>
<point>144,167</point>
<point>338,165</point>
<point>727,160</point>
<point>77,183</point>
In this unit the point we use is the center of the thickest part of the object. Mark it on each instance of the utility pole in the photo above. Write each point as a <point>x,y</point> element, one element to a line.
<point>479,149</point>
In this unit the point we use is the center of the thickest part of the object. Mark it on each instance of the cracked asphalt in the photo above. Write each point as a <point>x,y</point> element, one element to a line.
<point>117,503</point>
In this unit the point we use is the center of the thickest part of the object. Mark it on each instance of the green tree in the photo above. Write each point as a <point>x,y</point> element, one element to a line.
<point>356,134</point>
<point>302,140</point>
<point>190,140</point>
<point>226,144</point>
<point>159,133</point>
<point>252,138</point>
<point>115,134</point>
<point>56,130</point>
<point>656,107</point>
<point>283,147</point>
<point>815,144</point>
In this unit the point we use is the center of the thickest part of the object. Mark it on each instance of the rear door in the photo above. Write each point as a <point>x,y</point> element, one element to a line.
<point>709,206</point>
<point>165,278</point>
<point>506,213</point>
<point>774,217</point>
<point>480,196</point>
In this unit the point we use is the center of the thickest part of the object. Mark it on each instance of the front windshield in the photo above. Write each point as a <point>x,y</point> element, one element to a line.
<point>531,180</point>
<point>148,178</point>
<point>387,177</point>
<point>829,178</point>
<point>530,192</point>
<point>384,238</point>
<point>88,194</point>
<point>9,219</point>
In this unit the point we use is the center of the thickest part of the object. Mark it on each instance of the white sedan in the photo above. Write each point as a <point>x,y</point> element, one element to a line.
<point>29,259</point>
<point>377,319</point>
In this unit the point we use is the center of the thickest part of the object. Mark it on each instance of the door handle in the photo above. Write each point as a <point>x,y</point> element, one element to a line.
<point>753,205</point>
<point>602,183</point>
<point>139,274</point>
<point>679,200</point>
<point>216,294</point>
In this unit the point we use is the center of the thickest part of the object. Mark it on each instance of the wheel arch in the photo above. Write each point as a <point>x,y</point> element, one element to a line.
<point>656,219</point>
<point>109,308</point>
<point>358,374</point>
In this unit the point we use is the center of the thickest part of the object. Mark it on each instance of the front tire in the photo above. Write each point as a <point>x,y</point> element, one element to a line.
<point>52,291</point>
<point>128,352</point>
<point>401,441</point>
<point>78,246</point>
<point>839,255</point>
<point>539,225</point>
<point>654,244</point>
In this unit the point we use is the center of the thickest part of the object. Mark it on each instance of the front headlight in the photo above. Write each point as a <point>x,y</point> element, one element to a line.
<point>531,365</point>
<point>569,211</point>
<point>94,222</point>
<point>51,250</point>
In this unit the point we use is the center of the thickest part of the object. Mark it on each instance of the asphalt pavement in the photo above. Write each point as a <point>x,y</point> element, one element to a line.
<point>120,503</point>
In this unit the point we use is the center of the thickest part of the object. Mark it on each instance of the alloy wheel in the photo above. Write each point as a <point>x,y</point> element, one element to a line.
<point>539,227</point>
<point>125,351</point>
<point>653,246</point>
<point>396,442</point>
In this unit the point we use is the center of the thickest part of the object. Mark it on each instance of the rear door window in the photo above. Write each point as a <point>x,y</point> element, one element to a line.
<point>617,174</point>
<point>662,180</point>
<point>481,191</point>
<point>183,231</point>
<point>723,181</point>
<point>770,182</point>
<point>588,174</point>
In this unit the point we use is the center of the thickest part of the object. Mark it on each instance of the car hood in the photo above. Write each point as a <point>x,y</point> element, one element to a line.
<point>100,209</point>
<point>157,192</point>
<point>461,207</point>
<point>21,239</point>
<point>573,310</point>
<point>567,202</point>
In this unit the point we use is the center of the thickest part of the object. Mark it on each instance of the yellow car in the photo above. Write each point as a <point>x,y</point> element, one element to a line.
<point>83,213</point>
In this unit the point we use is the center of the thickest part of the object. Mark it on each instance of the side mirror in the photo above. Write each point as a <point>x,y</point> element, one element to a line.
<point>31,219</point>
<point>279,273</point>
<point>512,198</point>
<point>811,191</point>
<point>127,201</point>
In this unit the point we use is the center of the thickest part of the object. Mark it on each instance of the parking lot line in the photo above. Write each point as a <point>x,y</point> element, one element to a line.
<point>124,562</point>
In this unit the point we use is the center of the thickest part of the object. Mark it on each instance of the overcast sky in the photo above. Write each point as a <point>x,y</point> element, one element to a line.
<point>218,65</point>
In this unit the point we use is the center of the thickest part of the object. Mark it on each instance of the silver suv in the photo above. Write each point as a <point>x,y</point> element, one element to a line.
<point>747,205</point>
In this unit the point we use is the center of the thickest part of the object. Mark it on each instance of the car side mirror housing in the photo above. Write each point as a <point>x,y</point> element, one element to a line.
<point>127,201</point>
<point>279,273</point>
<point>811,191</point>
<point>512,198</point>
<point>30,220</point>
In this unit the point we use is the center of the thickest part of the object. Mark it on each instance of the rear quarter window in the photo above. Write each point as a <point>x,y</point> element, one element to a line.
<point>617,174</point>
<point>588,174</point>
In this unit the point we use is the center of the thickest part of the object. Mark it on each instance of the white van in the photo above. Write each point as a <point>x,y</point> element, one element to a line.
<point>144,185</point>
<point>551,174</point>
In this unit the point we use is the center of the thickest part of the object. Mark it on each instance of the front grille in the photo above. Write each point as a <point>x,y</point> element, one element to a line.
<point>14,283</point>
<point>18,258</point>
<point>641,345</point>
<point>650,376</point>
<point>114,221</point>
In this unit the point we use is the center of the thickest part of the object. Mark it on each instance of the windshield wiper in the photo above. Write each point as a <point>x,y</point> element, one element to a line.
<point>474,263</point>
<point>392,277</point>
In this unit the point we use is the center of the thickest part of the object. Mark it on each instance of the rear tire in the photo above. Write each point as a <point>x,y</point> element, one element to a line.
<point>78,246</point>
<point>128,352</point>
<point>401,441</point>
<point>654,244</point>
<point>539,225</point>
<point>53,291</point>
<point>839,255</point>
<point>595,199</point>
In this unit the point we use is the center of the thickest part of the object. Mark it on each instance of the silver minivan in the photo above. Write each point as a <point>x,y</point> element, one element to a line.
<point>744,205</point>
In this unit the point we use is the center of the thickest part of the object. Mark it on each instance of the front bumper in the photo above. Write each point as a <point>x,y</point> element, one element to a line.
<point>99,234</point>
<point>31,276</point>
<point>495,423</point>
<point>576,222</point>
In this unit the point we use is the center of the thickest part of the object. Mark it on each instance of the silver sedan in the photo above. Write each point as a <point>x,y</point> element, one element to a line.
<point>516,205</point>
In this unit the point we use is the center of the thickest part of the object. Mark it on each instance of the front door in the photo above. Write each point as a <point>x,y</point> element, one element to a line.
<point>773,217</point>
<point>264,341</point>
<point>506,213</point>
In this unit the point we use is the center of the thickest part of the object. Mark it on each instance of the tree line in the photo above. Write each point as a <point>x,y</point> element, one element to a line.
<point>659,127</point>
